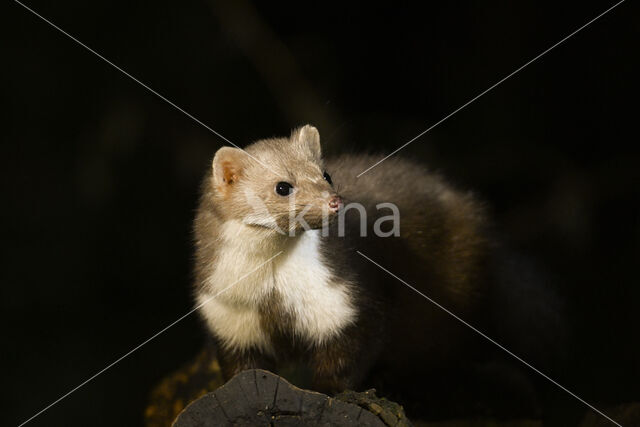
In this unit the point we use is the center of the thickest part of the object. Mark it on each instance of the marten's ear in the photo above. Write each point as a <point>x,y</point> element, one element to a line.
<point>228,165</point>
<point>308,137</point>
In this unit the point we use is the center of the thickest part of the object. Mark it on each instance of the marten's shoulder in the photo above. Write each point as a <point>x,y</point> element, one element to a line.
<point>444,231</point>
<point>409,185</point>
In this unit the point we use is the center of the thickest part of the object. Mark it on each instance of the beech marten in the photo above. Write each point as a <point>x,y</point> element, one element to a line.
<point>282,287</point>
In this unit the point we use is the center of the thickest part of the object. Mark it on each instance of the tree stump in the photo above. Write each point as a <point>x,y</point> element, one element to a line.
<point>260,398</point>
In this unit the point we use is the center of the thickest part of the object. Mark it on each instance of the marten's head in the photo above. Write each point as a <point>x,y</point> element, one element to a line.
<point>278,184</point>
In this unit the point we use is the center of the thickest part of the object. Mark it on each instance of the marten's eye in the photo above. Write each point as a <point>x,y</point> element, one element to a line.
<point>284,188</point>
<point>327,177</point>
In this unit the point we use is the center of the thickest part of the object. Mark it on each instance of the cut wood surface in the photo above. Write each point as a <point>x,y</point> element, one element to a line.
<point>257,397</point>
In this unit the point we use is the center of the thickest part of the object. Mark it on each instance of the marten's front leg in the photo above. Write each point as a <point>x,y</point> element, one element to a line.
<point>235,361</point>
<point>335,365</point>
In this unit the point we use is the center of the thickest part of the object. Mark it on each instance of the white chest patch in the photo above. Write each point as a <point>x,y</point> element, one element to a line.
<point>319,304</point>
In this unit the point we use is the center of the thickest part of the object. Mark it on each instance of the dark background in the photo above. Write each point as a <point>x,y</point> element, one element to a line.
<point>100,177</point>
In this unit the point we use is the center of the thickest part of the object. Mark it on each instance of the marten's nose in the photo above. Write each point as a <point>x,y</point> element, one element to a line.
<point>335,204</point>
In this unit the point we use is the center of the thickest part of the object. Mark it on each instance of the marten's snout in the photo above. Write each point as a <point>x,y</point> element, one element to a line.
<point>335,204</point>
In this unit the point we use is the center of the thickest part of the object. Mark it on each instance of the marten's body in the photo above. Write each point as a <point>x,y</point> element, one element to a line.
<point>271,298</point>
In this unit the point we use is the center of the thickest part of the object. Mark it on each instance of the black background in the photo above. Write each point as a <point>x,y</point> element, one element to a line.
<point>100,177</point>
